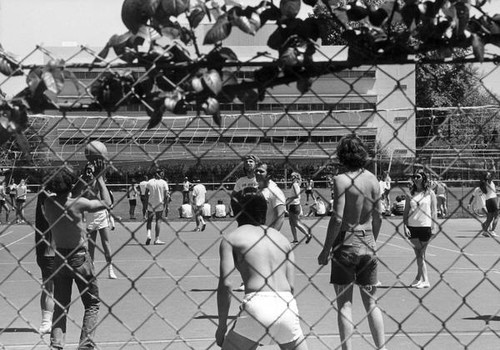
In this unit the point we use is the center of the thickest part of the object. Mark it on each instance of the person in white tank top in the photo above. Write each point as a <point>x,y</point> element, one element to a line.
<point>419,218</point>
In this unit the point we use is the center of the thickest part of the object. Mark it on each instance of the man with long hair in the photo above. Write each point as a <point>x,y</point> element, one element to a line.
<point>352,231</point>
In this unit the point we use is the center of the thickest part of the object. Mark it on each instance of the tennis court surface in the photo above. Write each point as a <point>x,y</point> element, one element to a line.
<point>165,296</point>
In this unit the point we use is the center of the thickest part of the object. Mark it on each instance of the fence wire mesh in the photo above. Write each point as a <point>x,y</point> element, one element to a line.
<point>165,296</point>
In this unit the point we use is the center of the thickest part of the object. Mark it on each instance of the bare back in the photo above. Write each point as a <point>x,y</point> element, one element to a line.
<point>358,194</point>
<point>65,222</point>
<point>264,259</point>
<point>64,216</point>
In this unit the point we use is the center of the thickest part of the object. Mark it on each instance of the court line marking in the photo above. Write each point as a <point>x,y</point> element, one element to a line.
<point>18,240</point>
<point>434,246</point>
<point>6,234</point>
<point>308,338</point>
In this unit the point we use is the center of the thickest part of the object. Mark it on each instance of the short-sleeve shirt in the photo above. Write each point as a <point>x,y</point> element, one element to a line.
<point>22,190</point>
<point>199,192</point>
<point>244,182</point>
<point>274,197</point>
<point>157,189</point>
<point>220,210</point>
<point>185,186</point>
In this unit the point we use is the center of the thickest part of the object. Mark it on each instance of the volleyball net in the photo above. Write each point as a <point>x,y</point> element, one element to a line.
<point>293,131</point>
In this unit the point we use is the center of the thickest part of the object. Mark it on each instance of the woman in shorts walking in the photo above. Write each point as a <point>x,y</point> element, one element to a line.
<point>420,218</point>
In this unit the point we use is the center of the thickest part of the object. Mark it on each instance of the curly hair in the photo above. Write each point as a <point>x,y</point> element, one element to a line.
<point>352,152</point>
<point>60,182</point>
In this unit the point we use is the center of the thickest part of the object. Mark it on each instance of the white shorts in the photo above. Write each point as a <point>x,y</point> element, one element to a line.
<point>269,318</point>
<point>100,220</point>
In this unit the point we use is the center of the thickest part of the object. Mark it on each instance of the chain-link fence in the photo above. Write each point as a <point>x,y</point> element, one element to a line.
<point>165,110</point>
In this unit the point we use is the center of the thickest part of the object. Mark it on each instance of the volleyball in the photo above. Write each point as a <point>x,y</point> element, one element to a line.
<point>96,150</point>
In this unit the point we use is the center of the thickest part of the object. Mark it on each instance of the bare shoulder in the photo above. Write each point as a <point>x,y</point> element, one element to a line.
<point>278,239</point>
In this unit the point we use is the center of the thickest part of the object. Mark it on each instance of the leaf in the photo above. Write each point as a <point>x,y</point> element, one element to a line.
<point>276,39</point>
<point>341,15</point>
<point>220,31</point>
<point>171,32</point>
<point>24,145</point>
<point>247,21</point>
<point>216,117</point>
<point>378,17</point>
<point>357,13</point>
<point>410,13</point>
<point>53,77</point>
<point>268,12</point>
<point>462,17</point>
<point>175,7</point>
<point>136,13</point>
<point>309,29</point>
<point>8,65</point>
<point>197,12</point>
<point>289,9</point>
<point>304,85</point>
<point>478,47</point>
<point>216,58</point>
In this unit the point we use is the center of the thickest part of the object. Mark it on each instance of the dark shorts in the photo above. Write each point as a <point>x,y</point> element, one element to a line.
<point>356,262</point>
<point>132,202</point>
<point>309,191</point>
<point>423,234</point>
<point>46,264</point>
<point>156,214</point>
<point>294,209</point>
<point>492,205</point>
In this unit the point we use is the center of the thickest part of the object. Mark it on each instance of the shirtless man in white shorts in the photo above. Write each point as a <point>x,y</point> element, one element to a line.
<point>265,260</point>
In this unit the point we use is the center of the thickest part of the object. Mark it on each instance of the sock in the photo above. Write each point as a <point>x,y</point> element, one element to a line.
<point>149,233</point>
<point>46,317</point>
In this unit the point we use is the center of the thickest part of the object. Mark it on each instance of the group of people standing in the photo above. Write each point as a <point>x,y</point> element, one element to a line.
<point>265,259</point>
<point>15,194</point>
<point>256,248</point>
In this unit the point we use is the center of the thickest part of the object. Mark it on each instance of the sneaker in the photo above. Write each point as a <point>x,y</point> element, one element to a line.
<point>241,288</point>
<point>45,328</point>
<point>378,284</point>
<point>158,242</point>
<point>111,272</point>
<point>148,240</point>
<point>203,227</point>
<point>295,242</point>
<point>415,283</point>
<point>493,233</point>
<point>423,285</point>
<point>309,237</point>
